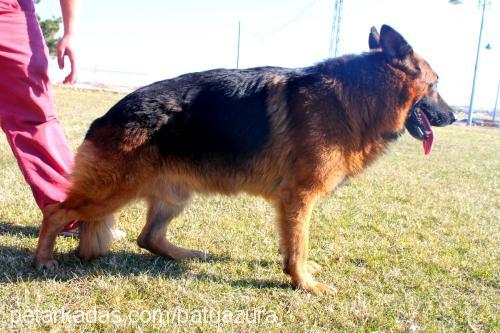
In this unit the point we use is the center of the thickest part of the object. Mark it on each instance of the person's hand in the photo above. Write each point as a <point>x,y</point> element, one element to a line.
<point>65,49</point>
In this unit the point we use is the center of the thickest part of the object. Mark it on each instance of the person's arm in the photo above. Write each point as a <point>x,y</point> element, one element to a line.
<point>65,45</point>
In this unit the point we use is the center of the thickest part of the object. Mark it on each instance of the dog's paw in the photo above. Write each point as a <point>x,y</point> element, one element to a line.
<point>201,255</point>
<point>317,288</point>
<point>46,264</point>
<point>308,284</point>
<point>313,267</point>
<point>192,255</point>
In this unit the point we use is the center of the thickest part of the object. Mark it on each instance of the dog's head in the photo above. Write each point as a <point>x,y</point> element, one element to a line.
<point>427,106</point>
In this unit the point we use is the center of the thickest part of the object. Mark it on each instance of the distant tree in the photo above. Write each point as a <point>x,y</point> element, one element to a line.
<point>50,28</point>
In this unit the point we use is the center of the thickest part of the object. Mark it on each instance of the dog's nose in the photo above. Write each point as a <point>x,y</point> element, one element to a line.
<point>452,118</point>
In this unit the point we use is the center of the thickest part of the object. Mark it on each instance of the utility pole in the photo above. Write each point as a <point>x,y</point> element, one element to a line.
<point>335,33</point>
<point>471,104</point>
<point>496,102</point>
<point>238,50</point>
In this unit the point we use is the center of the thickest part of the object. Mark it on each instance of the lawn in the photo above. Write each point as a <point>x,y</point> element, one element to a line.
<point>411,246</point>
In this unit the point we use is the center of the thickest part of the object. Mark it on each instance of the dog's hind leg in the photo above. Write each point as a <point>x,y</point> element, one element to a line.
<point>99,187</point>
<point>54,220</point>
<point>163,206</point>
<point>96,237</point>
<point>96,222</point>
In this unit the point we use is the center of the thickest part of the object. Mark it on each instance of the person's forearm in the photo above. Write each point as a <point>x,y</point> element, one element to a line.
<point>68,9</point>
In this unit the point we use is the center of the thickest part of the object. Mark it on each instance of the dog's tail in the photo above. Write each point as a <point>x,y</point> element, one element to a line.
<point>96,237</point>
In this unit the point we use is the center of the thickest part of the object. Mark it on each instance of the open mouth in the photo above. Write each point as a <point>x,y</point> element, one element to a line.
<point>420,128</point>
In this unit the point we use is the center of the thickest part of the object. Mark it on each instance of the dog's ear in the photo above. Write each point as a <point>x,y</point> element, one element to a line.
<point>374,39</point>
<point>393,44</point>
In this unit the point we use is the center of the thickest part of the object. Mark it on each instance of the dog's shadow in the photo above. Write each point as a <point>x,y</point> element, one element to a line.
<point>16,264</point>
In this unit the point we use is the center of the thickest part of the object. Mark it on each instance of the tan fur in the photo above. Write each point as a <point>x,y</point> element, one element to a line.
<point>298,165</point>
<point>95,238</point>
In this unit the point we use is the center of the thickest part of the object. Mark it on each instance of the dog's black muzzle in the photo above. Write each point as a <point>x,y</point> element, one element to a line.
<point>428,111</point>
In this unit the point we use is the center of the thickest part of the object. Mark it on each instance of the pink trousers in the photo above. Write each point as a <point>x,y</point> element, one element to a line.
<point>26,107</point>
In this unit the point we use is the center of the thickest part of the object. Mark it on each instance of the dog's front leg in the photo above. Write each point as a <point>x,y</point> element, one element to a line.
<point>294,210</point>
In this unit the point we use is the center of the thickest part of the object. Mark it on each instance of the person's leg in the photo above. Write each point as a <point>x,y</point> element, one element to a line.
<point>26,107</point>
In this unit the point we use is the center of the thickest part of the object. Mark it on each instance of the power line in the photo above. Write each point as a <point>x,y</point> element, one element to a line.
<point>284,25</point>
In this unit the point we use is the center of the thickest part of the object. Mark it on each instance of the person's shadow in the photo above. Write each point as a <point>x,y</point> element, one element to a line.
<point>16,265</point>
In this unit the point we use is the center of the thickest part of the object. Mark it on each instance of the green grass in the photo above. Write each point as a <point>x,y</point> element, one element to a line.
<point>411,246</point>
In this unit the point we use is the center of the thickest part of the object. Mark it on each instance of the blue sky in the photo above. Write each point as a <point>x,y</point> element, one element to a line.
<point>162,38</point>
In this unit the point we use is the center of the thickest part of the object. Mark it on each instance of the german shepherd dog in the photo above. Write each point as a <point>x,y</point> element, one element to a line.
<point>288,135</point>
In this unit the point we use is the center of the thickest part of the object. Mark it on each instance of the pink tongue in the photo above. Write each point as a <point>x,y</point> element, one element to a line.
<point>427,143</point>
